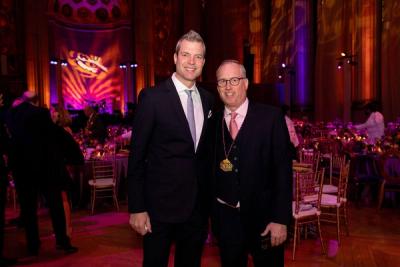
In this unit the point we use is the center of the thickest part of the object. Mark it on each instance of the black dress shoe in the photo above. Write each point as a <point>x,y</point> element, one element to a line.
<point>68,249</point>
<point>34,251</point>
<point>16,222</point>
<point>7,262</point>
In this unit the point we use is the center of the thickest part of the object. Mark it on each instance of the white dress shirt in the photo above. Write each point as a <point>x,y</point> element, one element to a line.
<point>198,107</point>
<point>292,131</point>
<point>375,127</point>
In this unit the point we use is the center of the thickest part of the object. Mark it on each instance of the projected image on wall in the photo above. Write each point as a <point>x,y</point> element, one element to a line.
<point>91,79</point>
<point>92,75</point>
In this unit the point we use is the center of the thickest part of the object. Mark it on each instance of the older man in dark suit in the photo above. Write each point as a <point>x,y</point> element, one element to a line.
<point>252,173</point>
<point>167,188</point>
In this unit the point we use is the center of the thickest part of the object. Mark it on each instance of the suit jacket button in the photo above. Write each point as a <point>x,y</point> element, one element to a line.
<point>236,170</point>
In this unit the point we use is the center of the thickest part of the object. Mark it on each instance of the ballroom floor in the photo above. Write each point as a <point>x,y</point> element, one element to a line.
<point>105,239</point>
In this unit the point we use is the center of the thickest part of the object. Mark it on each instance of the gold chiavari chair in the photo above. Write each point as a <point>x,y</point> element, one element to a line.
<point>336,164</point>
<point>329,149</point>
<point>310,156</point>
<point>104,181</point>
<point>337,202</point>
<point>306,206</point>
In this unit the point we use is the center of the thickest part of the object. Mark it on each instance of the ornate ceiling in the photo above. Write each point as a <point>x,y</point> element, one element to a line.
<point>89,11</point>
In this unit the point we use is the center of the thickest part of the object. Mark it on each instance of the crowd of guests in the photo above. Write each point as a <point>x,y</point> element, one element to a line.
<point>39,152</point>
<point>370,133</point>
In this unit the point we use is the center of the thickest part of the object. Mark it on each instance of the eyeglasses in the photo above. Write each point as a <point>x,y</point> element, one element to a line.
<point>232,81</point>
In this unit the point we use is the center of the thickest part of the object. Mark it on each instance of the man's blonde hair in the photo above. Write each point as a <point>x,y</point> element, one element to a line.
<point>191,36</point>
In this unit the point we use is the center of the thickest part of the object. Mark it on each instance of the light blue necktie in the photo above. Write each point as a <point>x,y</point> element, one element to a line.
<point>190,115</point>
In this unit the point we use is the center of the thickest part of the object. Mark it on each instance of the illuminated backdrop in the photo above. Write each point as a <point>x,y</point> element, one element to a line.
<point>93,37</point>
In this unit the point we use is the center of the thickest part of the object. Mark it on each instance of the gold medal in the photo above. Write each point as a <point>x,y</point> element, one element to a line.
<point>226,165</point>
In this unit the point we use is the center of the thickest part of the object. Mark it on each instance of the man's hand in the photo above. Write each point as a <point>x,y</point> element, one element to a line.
<point>278,233</point>
<point>140,222</point>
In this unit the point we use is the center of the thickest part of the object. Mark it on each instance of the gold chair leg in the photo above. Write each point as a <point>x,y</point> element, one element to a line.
<point>93,200</point>
<point>320,237</point>
<point>345,219</point>
<point>338,224</point>
<point>294,238</point>
<point>330,169</point>
<point>306,231</point>
<point>115,201</point>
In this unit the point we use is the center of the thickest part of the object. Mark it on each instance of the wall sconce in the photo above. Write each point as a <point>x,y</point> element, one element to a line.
<point>56,61</point>
<point>345,58</point>
<point>64,63</point>
<point>125,65</point>
<point>286,69</point>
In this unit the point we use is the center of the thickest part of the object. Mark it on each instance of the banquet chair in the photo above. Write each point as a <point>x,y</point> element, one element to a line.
<point>390,169</point>
<point>306,206</point>
<point>103,183</point>
<point>329,150</point>
<point>337,202</point>
<point>310,156</point>
<point>336,166</point>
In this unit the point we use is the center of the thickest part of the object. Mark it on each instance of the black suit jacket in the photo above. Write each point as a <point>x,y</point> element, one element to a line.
<point>30,131</point>
<point>264,166</point>
<point>165,174</point>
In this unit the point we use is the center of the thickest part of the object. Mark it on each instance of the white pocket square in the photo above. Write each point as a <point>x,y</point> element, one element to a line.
<point>209,114</point>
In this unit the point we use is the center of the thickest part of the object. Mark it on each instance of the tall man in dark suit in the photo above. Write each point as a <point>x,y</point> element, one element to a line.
<point>34,167</point>
<point>167,189</point>
<point>3,185</point>
<point>252,173</point>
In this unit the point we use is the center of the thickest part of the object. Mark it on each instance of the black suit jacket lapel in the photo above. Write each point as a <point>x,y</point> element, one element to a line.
<point>206,111</point>
<point>177,105</point>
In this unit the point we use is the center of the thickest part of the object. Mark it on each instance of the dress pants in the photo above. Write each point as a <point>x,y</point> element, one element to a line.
<point>28,198</point>
<point>235,243</point>
<point>189,238</point>
<point>3,196</point>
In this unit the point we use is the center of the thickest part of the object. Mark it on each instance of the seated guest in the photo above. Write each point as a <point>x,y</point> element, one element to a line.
<point>67,154</point>
<point>95,127</point>
<point>61,117</point>
<point>375,124</point>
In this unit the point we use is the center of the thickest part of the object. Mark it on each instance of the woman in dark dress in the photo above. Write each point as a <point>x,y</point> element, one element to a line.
<point>66,153</point>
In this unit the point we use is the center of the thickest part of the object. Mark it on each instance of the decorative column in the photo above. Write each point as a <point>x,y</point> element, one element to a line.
<point>143,15</point>
<point>303,95</point>
<point>256,21</point>
<point>367,43</point>
<point>37,49</point>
